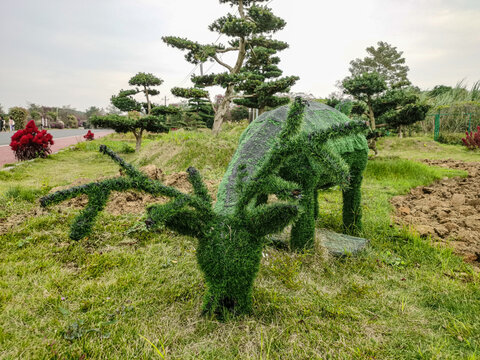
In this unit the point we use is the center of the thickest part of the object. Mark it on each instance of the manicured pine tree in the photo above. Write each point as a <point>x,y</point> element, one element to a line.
<point>365,87</point>
<point>386,60</point>
<point>400,107</point>
<point>199,105</point>
<point>125,100</point>
<point>385,107</point>
<point>380,81</point>
<point>262,76</point>
<point>134,122</point>
<point>250,23</point>
<point>146,81</point>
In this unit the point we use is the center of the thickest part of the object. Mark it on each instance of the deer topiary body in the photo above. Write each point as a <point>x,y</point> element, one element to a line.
<point>328,149</point>
<point>294,160</point>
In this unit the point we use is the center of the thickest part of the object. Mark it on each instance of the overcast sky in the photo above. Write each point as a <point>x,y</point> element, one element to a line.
<point>79,53</point>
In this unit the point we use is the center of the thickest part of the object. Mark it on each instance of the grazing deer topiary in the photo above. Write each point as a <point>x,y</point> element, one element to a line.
<point>290,155</point>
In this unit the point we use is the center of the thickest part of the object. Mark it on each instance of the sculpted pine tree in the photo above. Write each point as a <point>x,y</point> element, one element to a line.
<point>380,82</point>
<point>397,108</point>
<point>365,87</point>
<point>262,76</point>
<point>199,104</point>
<point>125,100</point>
<point>146,81</point>
<point>134,122</point>
<point>247,26</point>
<point>385,60</point>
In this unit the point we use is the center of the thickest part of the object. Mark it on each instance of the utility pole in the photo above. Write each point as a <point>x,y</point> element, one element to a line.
<point>165,101</point>
<point>201,69</point>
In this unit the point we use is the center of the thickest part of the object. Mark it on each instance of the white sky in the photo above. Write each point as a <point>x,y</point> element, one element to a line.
<point>79,53</point>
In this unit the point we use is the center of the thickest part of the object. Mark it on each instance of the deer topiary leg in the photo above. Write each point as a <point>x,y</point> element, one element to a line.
<point>217,301</point>
<point>303,230</point>
<point>352,197</point>
<point>229,287</point>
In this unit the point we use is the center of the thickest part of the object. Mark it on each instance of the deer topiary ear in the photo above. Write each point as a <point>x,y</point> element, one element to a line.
<point>269,219</point>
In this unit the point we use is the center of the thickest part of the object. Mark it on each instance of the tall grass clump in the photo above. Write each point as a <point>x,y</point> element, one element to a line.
<point>22,193</point>
<point>458,106</point>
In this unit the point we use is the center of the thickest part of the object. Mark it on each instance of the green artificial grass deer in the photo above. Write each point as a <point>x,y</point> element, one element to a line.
<point>231,234</point>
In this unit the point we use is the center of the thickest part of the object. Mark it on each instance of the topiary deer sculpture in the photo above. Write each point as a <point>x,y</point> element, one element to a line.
<point>231,233</point>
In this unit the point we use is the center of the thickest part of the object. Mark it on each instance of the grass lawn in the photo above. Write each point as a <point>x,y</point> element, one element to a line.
<point>122,290</point>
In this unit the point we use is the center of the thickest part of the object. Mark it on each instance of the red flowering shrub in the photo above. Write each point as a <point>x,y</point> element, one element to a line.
<point>472,141</point>
<point>89,135</point>
<point>30,143</point>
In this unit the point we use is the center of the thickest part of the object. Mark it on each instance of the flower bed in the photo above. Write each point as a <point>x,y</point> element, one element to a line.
<point>30,143</point>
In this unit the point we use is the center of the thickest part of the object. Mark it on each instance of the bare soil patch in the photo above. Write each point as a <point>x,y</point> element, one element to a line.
<point>133,202</point>
<point>448,211</point>
<point>129,202</point>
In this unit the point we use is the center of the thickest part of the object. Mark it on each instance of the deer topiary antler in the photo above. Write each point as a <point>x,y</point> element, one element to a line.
<point>98,193</point>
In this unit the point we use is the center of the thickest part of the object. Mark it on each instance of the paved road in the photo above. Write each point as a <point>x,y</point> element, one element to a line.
<point>56,133</point>
<point>61,139</point>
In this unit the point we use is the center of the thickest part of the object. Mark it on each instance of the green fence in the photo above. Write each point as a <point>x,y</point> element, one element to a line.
<point>451,123</point>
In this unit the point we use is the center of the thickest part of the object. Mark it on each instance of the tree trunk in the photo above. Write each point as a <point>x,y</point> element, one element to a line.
<point>371,116</point>
<point>149,106</point>
<point>400,132</point>
<point>372,143</point>
<point>138,138</point>
<point>222,110</point>
<point>225,104</point>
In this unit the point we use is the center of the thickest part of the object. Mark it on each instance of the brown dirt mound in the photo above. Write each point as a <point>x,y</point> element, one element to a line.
<point>132,202</point>
<point>448,211</point>
<point>129,202</point>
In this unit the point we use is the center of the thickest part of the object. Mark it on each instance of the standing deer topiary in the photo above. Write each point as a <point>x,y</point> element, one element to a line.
<point>294,161</point>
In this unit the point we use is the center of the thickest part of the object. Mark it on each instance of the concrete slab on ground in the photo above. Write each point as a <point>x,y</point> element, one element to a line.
<point>340,244</point>
<point>336,244</point>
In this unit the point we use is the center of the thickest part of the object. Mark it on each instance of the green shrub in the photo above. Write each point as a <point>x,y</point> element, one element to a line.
<point>451,138</point>
<point>126,149</point>
<point>72,122</point>
<point>19,115</point>
<point>239,113</point>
